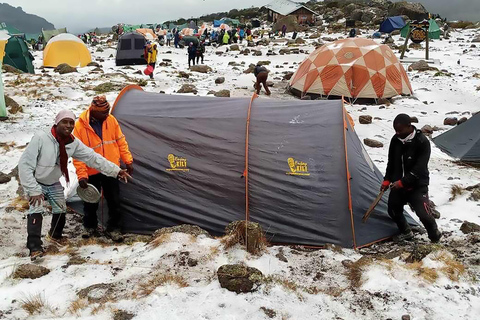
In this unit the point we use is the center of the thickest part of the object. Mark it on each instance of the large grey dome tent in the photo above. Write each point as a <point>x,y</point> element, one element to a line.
<point>130,49</point>
<point>463,141</point>
<point>308,180</point>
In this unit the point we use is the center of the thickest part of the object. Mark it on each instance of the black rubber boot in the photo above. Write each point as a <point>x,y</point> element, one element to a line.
<point>58,223</point>
<point>34,231</point>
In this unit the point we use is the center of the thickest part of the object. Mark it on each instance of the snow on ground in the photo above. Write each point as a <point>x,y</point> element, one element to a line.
<point>304,284</point>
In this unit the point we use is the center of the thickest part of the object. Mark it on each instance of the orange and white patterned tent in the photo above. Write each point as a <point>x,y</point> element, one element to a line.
<point>355,68</point>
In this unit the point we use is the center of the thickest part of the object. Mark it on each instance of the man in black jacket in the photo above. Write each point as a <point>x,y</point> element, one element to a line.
<point>407,176</point>
<point>261,73</point>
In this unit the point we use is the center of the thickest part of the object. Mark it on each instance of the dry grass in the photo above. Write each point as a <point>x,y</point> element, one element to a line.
<point>147,287</point>
<point>461,25</point>
<point>355,271</point>
<point>35,304</point>
<point>78,305</point>
<point>20,204</point>
<point>96,309</point>
<point>213,252</point>
<point>429,274</point>
<point>161,239</point>
<point>455,192</point>
<point>94,241</point>
<point>453,269</point>
<point>248,234</point>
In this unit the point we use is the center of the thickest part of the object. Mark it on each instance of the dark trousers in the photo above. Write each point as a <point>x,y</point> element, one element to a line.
<point>191,59</point>
<point>200,56</point>
<point>262,79</point>
<point>153,66</point>
<point>418,198</point>
<point>111,193</point>
<point>169,42</point>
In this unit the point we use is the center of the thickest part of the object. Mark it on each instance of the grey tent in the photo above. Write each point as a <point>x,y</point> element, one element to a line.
<point>309,178</point>
<point>463,141</point>
<point>130,49</point>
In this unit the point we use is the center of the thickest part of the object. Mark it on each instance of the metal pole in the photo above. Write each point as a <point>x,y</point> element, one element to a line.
<point>406,42</point>
<point>427,44</point>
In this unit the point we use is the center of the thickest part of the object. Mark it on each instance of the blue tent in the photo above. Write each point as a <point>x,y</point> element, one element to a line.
<point>218,23</point>
<point>391,24</point>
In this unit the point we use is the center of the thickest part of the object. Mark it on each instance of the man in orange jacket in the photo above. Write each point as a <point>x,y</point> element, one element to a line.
<point>99,130</point>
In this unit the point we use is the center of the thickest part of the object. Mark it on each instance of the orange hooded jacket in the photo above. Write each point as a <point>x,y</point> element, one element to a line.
<point>113,147</point>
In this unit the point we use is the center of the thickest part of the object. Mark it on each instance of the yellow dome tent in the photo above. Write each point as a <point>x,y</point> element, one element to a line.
<point>66,48</point>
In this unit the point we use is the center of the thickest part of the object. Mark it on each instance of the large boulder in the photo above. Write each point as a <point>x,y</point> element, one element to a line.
<point>239,278</point>
<point>30,271</point>
<point>469,227</point>
<point>291,23</point>
<point>413,10</point>
<point>368,16</point>
<point>9,69</point>
<point>188,88</point>
<point>356,14</point>
<point>372,143</point>
<point>201,68</point>
<point>64,69</point>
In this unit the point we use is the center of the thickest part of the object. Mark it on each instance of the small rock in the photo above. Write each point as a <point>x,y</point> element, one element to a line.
<point>419,252</point>
<point>64,69</point>
<point>192,262</point>
<point>4,178</point>
<point>469,227</point>
<point>474,196</point>
<point>405,317</point>
<point>122,315</point>
<point>201,68</point>
<point>288,75</point>
<point>365,119</point>
<point>269,312</point>
<point>222,93</point>
<point>94,64</point>
<point>13,105</point>
<point>421,65</point>
<point>220,80</point>
<point>450,121</point>
<point>299,41</point>
<point>372,143</point>
<point>414,119</point>
<point>427,129</point>
<point>280,256</point>
<point>461,120</point>
<point>235,47</point>
<point>257,53</point>
<point>264,63</point>
<point>347,263</point>
<point>211,92</point>
<point>30,271</point>
<point>9,69</point>
<point>97,293</point>
<point>239,278</point>
<point>188,88</point>
<point>183,74</point>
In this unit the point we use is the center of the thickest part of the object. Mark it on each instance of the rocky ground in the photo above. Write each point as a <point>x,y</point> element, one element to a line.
<point>177,272</point>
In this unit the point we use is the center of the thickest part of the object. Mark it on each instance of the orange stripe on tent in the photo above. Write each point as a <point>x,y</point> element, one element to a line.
<point>125,90</point>
<point>245,172</point>
<point>350,207</point>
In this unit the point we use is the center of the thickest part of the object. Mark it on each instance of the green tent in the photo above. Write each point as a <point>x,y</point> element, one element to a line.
<point>18,56</point>
<point>130,28</point>
<point>433,30</point>
<point>48,34</point>
<point>9,29</point>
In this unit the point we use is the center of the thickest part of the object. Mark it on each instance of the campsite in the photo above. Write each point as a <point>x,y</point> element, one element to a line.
<point>245,205</point>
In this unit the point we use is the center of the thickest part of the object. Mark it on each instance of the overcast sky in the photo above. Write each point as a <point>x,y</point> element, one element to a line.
<point>78,15</point>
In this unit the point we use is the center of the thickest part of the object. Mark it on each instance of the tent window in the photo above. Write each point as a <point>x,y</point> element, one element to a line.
<point>139,43</point>
<point>126,44</point>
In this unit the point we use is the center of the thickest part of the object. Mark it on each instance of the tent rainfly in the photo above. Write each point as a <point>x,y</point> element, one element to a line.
<point>17,55</point>
<point>463,141</point>
<point>433,30</point>
<point>66,48</point>
<point>130,49</point>
<point>49,34</point>
<point>353,67</point>
<point>309,178</point>
<point>392,23</point>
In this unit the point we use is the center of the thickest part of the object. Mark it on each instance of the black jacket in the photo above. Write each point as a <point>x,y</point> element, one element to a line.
<point>409,162</point>
<point>259,69</point>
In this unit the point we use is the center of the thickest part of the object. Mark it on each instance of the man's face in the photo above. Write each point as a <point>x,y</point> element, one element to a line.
<point>100,115</point>
<point>65,127</point>
<point>403,131</point>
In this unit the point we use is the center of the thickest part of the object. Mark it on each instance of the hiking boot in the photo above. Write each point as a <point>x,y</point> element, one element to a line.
<point>89,232</point>
<point>403,236</point>
<point>34,255</point>
<point>436,236</point>
<point>115,235</point>
<point>62,241</point>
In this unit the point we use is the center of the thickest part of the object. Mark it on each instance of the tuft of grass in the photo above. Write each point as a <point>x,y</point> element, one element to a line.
<point>246,233</point>
<point>147,287</point>
<point>78,305</point>
<point>35,304</point>
<point>213,252</point>
<point>429,274</point>
<point>355,271</point>
<point>92,241</point>
<point>20,204</point>
<point>453,269</point>
<point>161,239</point>
<point>97,308</point>
<point>455,192</point>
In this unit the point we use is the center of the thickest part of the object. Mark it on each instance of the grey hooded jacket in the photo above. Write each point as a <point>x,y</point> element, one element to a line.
<point>40,162</point>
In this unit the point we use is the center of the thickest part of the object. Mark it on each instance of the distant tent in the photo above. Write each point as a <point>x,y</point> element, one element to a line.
<point>49,34</point>
<point>310,179</point>
<point>463,141</point>
<point>66,48</point>
<point>17,55</point>
<point>147,33</point>
<point>217,23</point>
<point>130,49</point>
<point>256,23</point>
<point>192,25</point>
<point>187,32</point>
<point>392,23</point>
<point>433,30</point>
<point>9,29</point>
<point>131,28</point>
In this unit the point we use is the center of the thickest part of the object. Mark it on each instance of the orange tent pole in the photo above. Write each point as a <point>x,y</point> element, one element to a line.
<point>245,172</point>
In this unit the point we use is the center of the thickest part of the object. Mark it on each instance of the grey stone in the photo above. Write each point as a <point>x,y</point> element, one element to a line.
<point>239,278</point>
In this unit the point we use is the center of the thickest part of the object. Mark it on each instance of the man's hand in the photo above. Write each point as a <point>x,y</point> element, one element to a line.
<point>83,183</point>
<point>385,185</point>
<point>36,200</point>
<point>397,185</point>
<point>129,168</point>
<point>123,175</point>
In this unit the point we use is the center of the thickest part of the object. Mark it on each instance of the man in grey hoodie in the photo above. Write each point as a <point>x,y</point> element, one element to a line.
<point>40,167</point>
